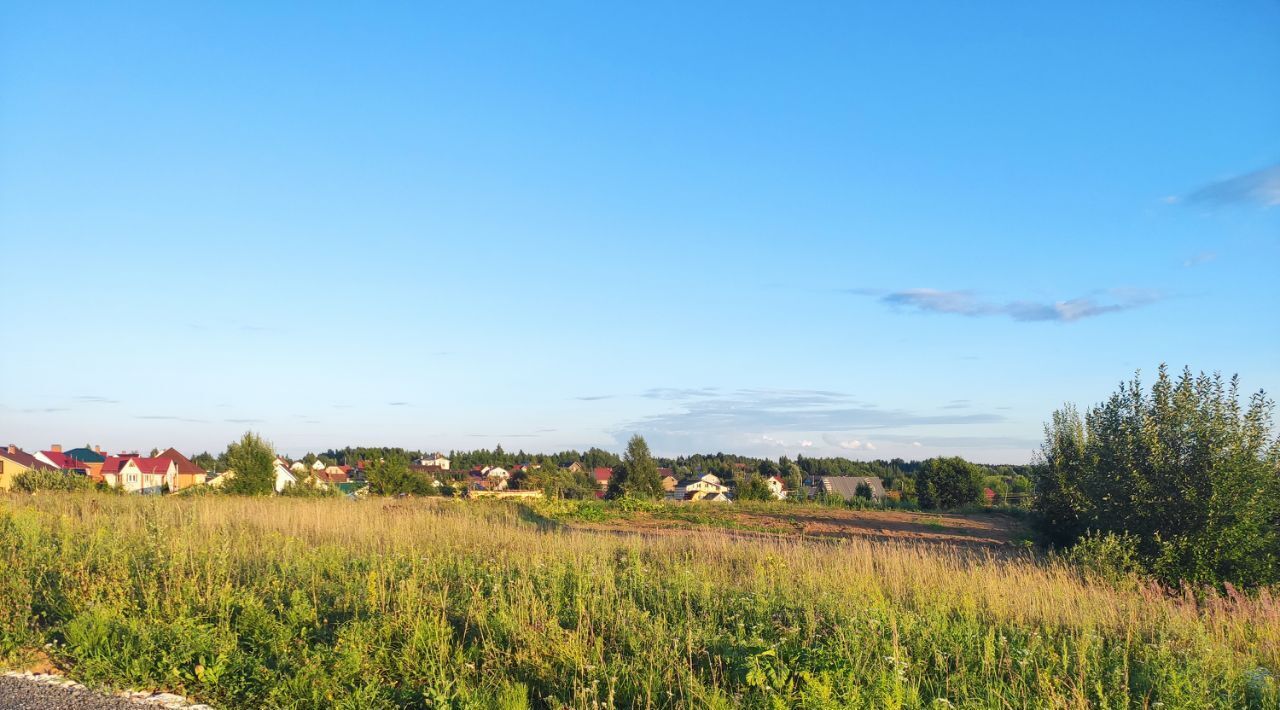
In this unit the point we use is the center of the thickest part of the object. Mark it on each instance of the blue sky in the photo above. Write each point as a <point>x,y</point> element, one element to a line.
<point>872,230</point>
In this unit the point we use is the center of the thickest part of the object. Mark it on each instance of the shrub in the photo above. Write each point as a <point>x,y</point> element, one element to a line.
<point>1187,470</point>
<point>1110,556</point>
<point>948,483</point>
<point>34,480</point>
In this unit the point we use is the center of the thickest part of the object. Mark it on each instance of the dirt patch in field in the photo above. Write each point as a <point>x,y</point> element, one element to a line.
<point>967,530</point>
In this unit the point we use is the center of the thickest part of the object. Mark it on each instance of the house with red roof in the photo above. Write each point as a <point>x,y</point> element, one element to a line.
<point>14,462</point>
<point>59,460</point>
<point>149,476</point>
<point>603,475</point>
<point>186,472</point>
<point>110,471</point>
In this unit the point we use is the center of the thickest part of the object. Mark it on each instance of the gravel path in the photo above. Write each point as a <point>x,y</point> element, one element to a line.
<point>24,694</point>
<point>47,692</point>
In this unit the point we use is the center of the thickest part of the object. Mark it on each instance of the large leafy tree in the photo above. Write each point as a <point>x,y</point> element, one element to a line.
<point>638,475</point>
<point>253,460</point>
<point>753,487</point>
<point>948,483</point>
<point>391,475</point>
<point>1186,470</point>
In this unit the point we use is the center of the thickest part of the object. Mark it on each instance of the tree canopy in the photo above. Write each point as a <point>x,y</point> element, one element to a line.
<point>1187,472</point>
<point>253,460</point>
<point>637,476</point>
<point>948,483</point>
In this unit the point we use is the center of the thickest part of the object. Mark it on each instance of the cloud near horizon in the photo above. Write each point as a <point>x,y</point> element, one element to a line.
<point>967,303</point>
<point>700,414</point>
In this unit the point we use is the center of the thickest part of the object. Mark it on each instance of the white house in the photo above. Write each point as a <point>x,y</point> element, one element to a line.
<point>285,477</point>
<point>436,459</point>
<point>298,467</point>
<point>777,488</point>
<point>147,476</point>
<point>708,486</point>
<point>498,477</point>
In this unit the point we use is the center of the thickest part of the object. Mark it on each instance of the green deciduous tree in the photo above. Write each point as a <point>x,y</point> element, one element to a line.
<point>948,483</point>
<point>753,487</point>
<point>793,479</point>
<point>638,475</point>
<point>1188,471</point>
<point>390,475</point>
<point>253,461</point>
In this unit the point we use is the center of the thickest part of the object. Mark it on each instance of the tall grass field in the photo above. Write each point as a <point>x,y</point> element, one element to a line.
<point>387,603</point>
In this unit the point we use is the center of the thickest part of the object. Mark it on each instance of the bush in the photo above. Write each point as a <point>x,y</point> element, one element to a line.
<point>50,480</point>
<point>1111,556</point>
<point>948,483</point>
<point>1188,471</point>
<point>306,490</point>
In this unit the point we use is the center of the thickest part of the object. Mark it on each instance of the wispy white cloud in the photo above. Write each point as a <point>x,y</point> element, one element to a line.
<point>1260,187</point>
<point>1203,257</point>
<point>968,303</point>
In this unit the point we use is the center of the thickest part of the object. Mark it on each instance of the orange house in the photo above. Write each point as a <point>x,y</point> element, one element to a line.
<point>187,473</point>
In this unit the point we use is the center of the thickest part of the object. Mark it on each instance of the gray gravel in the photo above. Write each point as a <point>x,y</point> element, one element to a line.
<point>23,694</point>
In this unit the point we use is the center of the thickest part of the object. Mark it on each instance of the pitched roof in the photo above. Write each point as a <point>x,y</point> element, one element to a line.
<point>63,461</point>
<point>332,474</point>
<point>602,474</point>
<point>185,465</point>
<point>112,464</point>
<point>23,458</point>
<point>152,465</point>
<point>85,454</point>
<point>847,486</point>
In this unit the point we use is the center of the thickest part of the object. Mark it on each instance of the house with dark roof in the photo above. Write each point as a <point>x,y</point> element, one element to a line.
<point>92,458</point>
<point>87,454</point>
<point>847,486</point>
<point>14,462</point>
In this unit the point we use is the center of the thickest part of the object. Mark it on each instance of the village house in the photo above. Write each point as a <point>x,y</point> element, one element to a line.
<point>602,475</point>
<point>847,486</point>
<point>707,486</point>
<point>777,487</point>
<point>669,480</point>
<point>436,459</point>
<point>283,476</point>
<point>330,477</point>
<point>186,473</point>
<point>111,465</point>
<point>15,461</point>
<point>147,476</point>
<point>92,459</point>
<point>57,459</point>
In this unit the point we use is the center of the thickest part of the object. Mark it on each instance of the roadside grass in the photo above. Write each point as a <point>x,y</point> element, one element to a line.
<point>324,603</point>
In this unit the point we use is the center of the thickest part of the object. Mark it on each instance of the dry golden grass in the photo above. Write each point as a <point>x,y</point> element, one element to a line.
<point>488,604</point>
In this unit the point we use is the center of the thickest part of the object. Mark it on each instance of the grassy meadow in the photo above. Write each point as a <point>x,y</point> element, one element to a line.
<point>434,603</point>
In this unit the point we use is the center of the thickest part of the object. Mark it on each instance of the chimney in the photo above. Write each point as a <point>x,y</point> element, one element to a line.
<point>13,448</point>
<point>57,448</point>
